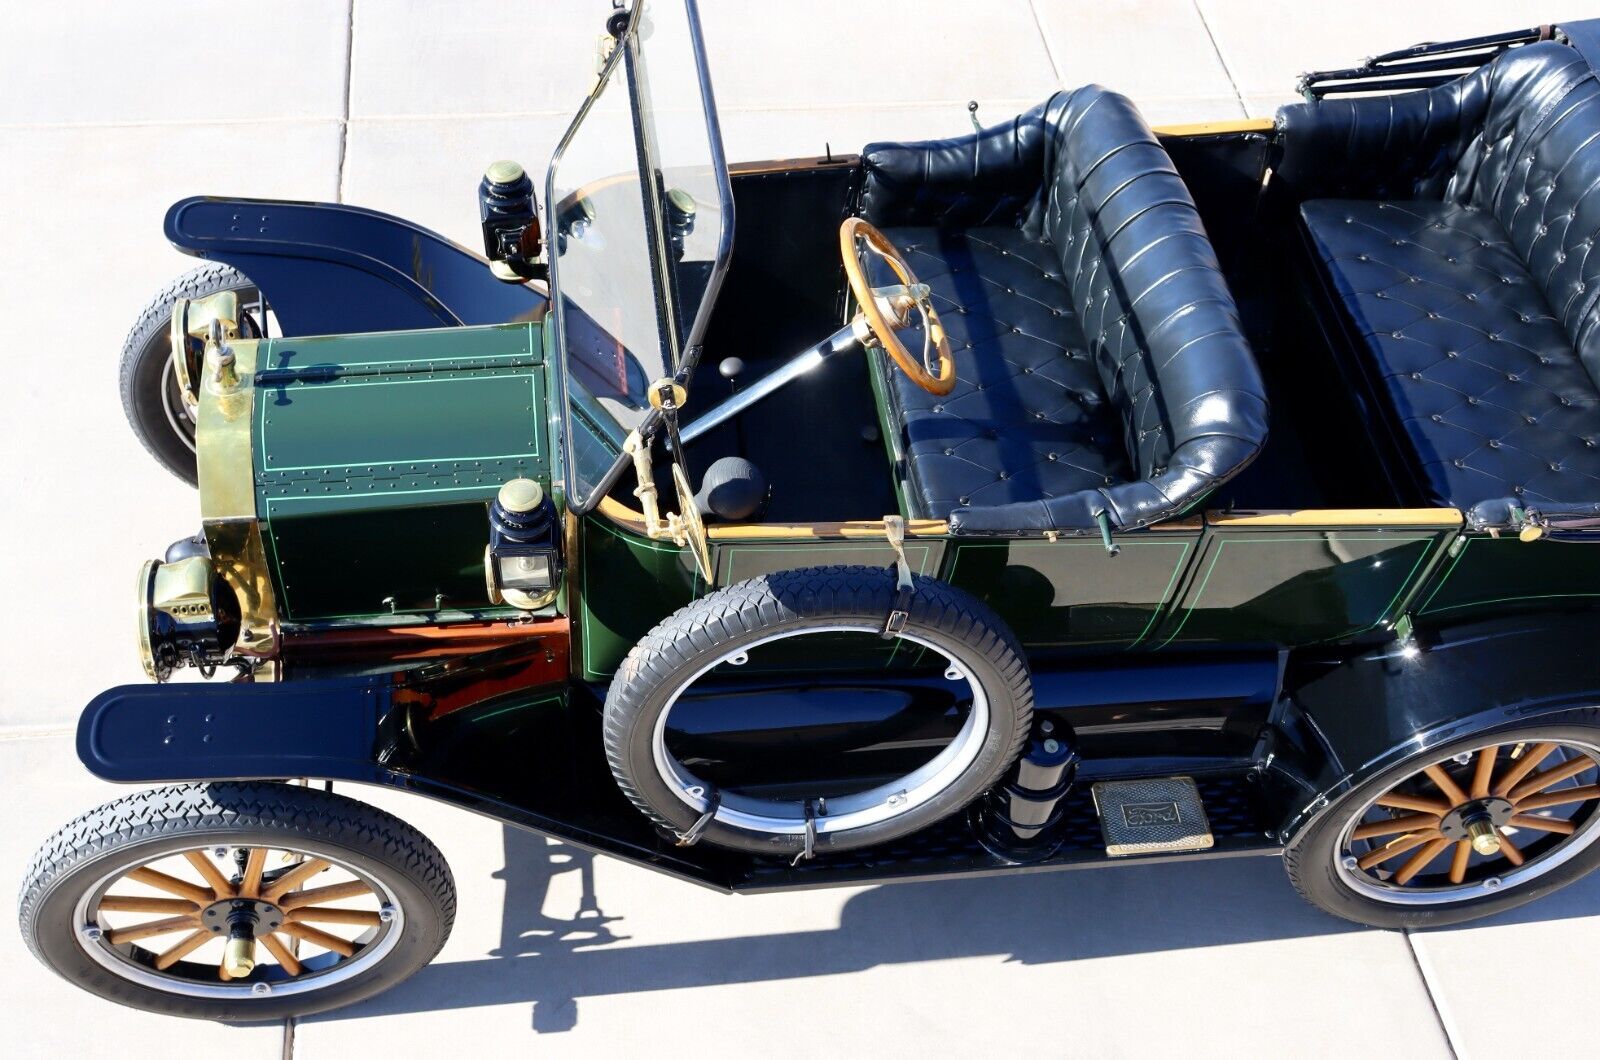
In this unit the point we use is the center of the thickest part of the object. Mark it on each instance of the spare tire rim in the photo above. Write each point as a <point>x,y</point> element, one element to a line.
<point>162,921</point>
<point>1480,821</point>
<point>843,813</point>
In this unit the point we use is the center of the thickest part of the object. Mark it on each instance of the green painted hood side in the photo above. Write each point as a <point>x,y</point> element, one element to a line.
<point>375,455</point>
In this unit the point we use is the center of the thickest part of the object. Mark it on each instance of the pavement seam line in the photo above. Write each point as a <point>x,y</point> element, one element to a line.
<point>1044,38</point>
<point>1427,988</point>
<point>349,76</point>
<point>1227,71</point>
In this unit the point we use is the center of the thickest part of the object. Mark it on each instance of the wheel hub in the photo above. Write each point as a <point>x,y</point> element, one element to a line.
<point>1477,820</point>
<point>262,917</point>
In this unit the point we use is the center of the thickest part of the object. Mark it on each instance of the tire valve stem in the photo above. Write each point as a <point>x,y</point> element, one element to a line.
<point>239,954</point>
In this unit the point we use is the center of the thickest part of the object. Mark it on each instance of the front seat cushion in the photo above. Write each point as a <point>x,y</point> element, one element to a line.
<point>1028,418</point>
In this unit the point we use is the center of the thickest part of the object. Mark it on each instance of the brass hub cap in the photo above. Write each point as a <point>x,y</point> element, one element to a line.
<point>1496,816</point>
<point>261,920</point>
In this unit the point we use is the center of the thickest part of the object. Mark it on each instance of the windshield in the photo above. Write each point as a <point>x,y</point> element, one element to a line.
<point>641,226</point>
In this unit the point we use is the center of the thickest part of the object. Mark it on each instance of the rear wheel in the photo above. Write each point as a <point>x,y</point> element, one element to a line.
<point>150,395</point>
<point>236,901</point>
<point>1465,831</point>
<point>771,716</point>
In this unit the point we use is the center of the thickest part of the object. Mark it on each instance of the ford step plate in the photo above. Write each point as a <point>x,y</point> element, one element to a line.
<point>1151,816</point>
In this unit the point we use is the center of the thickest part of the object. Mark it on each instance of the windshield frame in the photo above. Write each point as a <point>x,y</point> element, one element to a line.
<point>684,353</point>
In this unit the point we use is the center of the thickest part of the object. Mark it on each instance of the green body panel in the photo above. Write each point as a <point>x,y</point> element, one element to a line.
<point>1071,592</point>
<point>375,455</point>
<point>627,584</point>
<point>1224,586</point>
<point>1489,576</point>
<point>1290,586</point>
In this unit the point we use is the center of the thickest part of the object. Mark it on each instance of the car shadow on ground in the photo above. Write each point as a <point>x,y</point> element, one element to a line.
<point>1033,918</point>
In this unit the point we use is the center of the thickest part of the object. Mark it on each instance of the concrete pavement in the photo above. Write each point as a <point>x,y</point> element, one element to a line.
<point>108,112</point>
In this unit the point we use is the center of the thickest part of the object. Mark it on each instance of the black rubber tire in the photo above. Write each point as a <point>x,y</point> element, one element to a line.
<point>748,611</point>
<point>144,361</point>
<point>1309,858</point>
<point>182,817</point>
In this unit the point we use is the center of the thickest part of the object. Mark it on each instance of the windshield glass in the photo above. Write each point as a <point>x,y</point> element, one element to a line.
<point>641,225</point>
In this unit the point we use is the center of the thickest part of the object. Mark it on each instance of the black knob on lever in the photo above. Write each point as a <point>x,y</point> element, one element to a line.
<point>730,368</point>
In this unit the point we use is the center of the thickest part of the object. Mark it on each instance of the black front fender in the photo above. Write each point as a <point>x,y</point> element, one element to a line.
<point>330,269</point>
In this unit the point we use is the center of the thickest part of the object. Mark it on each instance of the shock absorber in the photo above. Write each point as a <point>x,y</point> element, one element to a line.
<point>1017,819</point>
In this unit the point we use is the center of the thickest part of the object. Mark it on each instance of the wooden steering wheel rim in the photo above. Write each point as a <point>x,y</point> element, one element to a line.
<point>882,329</point>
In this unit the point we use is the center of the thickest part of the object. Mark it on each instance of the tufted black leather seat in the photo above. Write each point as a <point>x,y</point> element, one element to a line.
<point>1458,261</point>
<point>1100,360</point>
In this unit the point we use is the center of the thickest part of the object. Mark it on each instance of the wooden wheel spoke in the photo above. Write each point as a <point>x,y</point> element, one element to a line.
<point>310,934</point>
<point>182,948</point>
<point>1521,767</point>
<point>1409,823</point>
<point>1554,775</point>
<point>254,862</point>
<point>1458,860</point>
<point>1483,772</point>
<point>172,885</point>
<point>1394,848</point>
<point>281,954</point>
<point>1559,798</point>
<point>151,929</point>
<point>1509,851</point>
<point>1542,824</point>
<point>1395,800</point>
<point>294,878</point>
<point>127,903</point>
<point>326,915</point>
<point>220,885</point>
<point>1445,783</point>
<point>1421,859</point>
<point>352,889</point>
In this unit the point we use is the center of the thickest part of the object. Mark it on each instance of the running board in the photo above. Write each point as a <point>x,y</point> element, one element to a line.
<point>1155,815</point>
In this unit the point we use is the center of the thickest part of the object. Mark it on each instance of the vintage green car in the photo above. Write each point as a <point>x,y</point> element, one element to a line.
<point>1067,493</point>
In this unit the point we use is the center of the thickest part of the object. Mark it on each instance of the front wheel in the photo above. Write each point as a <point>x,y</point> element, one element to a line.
<point>1463,831</point>
<point>151,397</point>
<point>236,901</point>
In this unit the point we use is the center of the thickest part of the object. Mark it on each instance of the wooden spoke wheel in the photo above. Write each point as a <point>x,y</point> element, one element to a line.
<point>1475,822</point>
<point>273,901</point>
<point>1463,832</point>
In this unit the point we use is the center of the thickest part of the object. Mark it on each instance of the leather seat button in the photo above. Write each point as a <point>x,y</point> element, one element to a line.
<point>949,452</point>
<point>1361,257</point>
<point>1531,419</point>
<point>938,408</point>
<point>1396,335</point>
<point>1511,377</point>
<point>1052,456</point>
<point>1004,475</point>
<point>1555,467</point>
<point>1459,463</point>
<point>1432,315</point>
<point>965,501</point>
<point>1517,490</point>
<point>1379,294</point>
<point>1436,418</point>
<point>1452,354</point>
<point>1417,376</point>
<point>1472,400</point>
<point>1494,443</point>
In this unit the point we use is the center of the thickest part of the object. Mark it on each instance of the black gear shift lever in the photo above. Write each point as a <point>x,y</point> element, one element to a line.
<point>730,368</point>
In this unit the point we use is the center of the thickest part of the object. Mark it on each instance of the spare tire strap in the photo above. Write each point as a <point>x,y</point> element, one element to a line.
<point>894,528</point>
<point>691,836</point>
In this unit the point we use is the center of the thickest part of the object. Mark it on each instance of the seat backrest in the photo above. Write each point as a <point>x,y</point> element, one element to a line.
<point>1536,167</point>
<point>1146,286</point>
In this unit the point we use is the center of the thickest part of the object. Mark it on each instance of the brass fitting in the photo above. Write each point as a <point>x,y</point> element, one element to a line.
<point>239,956</point>
<point>1485,837</point>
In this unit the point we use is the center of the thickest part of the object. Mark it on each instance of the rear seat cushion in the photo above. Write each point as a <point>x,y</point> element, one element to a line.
<point>1028,418</point>
<point>1482,379</point>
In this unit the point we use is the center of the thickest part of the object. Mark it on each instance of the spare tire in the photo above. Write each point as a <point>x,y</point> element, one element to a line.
<point>722,629</point>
